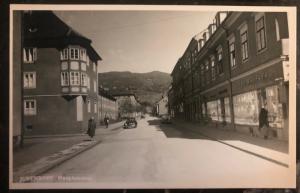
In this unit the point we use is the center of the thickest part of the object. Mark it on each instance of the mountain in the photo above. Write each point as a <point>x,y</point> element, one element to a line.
<point>148,87</point>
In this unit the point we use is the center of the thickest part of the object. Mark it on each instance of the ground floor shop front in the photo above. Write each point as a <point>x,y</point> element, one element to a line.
<point>236,104</point>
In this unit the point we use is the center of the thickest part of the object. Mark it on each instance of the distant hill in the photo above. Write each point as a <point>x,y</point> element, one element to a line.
<point>148,87</point>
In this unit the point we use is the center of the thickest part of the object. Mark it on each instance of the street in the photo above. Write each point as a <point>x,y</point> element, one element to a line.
<point>155,154</point>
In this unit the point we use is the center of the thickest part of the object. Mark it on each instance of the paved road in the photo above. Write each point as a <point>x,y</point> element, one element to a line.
<point>157,155</point>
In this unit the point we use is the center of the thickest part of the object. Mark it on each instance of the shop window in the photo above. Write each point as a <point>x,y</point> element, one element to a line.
<point>246,108</point>
<point>227,110</point>
<point>30,107</point>
<point>64,78</point>
<point>260,34</point>
<point>75,78</point>
<point>212,110</point>
<point>29,55</point>
<point>274,107</point>
<point>29,80</point>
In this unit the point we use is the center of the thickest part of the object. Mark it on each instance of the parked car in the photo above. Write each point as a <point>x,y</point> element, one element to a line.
<point>166,119</point>
<point>130,123</point>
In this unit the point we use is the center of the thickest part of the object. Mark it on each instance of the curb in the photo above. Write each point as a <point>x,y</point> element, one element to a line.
<point>46,168</point>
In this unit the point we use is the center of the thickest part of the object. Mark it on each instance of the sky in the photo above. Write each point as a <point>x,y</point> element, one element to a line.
<point>138,41</point>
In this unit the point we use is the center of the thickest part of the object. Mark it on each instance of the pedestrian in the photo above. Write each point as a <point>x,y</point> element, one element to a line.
<point>263,121</point>
<point>106,121</point>
<point>91,127</point>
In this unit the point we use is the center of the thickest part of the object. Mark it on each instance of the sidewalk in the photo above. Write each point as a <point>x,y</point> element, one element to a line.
<point>42,153</point>
<point>272,149</point>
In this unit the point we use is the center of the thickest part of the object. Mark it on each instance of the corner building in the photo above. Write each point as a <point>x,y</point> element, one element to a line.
<point>227,72</point>
<point>59,76</point>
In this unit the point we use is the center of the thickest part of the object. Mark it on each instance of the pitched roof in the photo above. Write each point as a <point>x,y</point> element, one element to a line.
<point>45,29</point>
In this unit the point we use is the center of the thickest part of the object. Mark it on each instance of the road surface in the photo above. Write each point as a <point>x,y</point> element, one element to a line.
<point>163,155</point>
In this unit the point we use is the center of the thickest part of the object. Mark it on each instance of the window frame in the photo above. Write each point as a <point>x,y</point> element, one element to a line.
<point>244,46</point>
<point>28,86</point>
<point>65,79</point>
<point>31,110</point>
<point>27,50</point>
<point>76,78</point>
<point>220,61</point>
<point>259,31</point>
<point>232,55</point>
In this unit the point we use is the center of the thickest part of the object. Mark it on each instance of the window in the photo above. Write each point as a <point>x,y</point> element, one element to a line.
<point>220,69</point>
<point>206,71</point>
<point>29,55</point>
<point>64,54</point>
<point>95,86</point>
<point>88,106</point>
<point>95,107</point>
<point>83,54</point>
<point>213,70</point>
<point>232,54</point>
<point>74,53</point>
<point>83,79</point>
<point>87,61</point>
<point>64,78</point>
<point>29,80</point>
<point>260,34</point>
<point>30,107</point>
<point>88,82</point>
<point>244,42</point>
<point>94,66</point>
<point>75,78</point>
<point>202,75</point>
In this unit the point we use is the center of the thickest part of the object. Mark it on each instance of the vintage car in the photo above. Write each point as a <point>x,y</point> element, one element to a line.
<point>130,123</point>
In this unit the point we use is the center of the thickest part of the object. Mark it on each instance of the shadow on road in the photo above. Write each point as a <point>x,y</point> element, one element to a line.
<point>172,131</point>
<point>190,132</point>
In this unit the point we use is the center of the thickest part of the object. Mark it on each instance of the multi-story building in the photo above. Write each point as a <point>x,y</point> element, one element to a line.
<point>59,76</point>
<point>162,106</point>
<point>107,106</point>
<point>228,71</point>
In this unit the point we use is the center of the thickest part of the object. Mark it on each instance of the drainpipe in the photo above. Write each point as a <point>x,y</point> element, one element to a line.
<point>230,83</point>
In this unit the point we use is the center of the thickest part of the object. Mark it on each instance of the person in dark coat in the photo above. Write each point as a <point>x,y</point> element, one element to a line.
<point>263,121</point>
<point>91,127</point>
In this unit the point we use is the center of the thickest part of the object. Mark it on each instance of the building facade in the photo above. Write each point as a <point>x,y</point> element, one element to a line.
<point>107,106</point>
<point>162,106</point>
<point>231,69</point>
<point>59,76</point>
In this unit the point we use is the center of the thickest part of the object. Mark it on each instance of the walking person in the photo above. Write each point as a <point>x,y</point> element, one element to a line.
<point>91,127</point>
<point>106,121</point>
<point>263,121</point>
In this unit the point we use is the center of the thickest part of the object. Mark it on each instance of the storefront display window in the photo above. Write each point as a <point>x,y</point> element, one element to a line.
<point>212,110</point>
<point>274,107</point>
<point>227,109</point>
<point>246,108</point>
